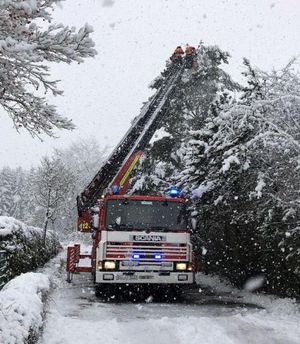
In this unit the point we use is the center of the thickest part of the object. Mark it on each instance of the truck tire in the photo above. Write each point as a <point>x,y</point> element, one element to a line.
<point>99,290</point>
<point>176,292</point>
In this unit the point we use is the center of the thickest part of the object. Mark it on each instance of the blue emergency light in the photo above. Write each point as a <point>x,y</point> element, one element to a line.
<point>173,191</point>
<point>115,189</point>
<point>136,256</point>
<point>158,256</point>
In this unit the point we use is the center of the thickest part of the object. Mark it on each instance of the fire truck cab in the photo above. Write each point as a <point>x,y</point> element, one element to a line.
<point>143,239</point>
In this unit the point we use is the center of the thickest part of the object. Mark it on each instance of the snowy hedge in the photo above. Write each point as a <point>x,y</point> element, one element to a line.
<point>24,246</point>
<point>21,305</point>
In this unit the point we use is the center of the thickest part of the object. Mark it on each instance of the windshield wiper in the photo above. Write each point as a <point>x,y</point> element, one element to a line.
<point>160,228</point>
<point>137,227</point>
<point>126,225</point>
<point>120,226</point>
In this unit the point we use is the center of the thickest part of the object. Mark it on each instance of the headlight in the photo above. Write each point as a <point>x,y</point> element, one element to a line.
<point>109,265</point>
<point>181,266</point>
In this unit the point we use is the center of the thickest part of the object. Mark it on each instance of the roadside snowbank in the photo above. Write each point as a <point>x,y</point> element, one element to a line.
<point>21,307</point>
<point>274,304</point>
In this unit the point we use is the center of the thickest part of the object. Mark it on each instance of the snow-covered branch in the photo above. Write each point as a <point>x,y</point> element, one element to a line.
<point>26,47</point>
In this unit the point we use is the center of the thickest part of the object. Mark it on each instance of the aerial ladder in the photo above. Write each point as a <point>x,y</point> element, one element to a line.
<point>115,171</point>
<point>130,242</point>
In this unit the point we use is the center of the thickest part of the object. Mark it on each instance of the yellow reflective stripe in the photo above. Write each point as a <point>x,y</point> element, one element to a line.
<point>131,167</point>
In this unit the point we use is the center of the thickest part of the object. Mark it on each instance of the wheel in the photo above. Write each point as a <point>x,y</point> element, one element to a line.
<point>103,291</point>
<point>98,290</point>
<point>176,292</point>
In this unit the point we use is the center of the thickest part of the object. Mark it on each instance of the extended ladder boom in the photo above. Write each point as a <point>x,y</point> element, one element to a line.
<point>116,169</point>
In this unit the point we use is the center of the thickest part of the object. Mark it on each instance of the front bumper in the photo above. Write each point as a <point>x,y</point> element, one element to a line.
<point>139,277</point>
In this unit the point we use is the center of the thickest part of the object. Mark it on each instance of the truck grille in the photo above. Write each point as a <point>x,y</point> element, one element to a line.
<point>147,252</point>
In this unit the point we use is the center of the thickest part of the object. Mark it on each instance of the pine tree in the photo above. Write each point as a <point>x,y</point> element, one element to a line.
<point>196,95</point>
<point>7,180</point>
<point>243,167</point>
<point>18,207</point>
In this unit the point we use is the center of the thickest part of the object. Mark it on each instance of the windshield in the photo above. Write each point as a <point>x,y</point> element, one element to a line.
<point>156,215</point>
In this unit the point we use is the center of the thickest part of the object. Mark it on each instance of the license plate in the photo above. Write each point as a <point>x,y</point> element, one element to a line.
<point>146,277</point>
<point>126,277</point>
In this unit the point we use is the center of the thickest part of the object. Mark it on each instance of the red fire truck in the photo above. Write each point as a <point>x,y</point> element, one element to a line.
<point>140,240</point>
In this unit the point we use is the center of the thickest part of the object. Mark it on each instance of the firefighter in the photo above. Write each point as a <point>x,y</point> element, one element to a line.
<point>190,54</point>
<point>177,55</point>
<point>189,50</point>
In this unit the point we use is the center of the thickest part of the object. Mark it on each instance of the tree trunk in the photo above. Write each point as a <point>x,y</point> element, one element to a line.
<point>45,227</point>
<point>46,218</point>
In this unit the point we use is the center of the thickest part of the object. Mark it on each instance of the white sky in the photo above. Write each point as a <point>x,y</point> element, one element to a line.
<point>134,38</point>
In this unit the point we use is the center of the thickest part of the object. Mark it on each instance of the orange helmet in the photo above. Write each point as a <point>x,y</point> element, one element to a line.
<point>189,50</point>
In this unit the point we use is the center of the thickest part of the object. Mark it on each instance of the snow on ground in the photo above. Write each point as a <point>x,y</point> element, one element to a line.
<point>271,303</point>
<point>214,313</point>
<point>75,315</point>
<point>22,302</point>
<point>21,307</point>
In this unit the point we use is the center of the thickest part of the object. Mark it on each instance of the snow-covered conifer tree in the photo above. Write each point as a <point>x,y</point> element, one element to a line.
<point>195,96</point>
<point>243,167</point>
<point>7,180</point>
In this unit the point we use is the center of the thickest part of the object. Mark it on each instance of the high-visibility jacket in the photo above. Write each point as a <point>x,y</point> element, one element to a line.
<point>189,50</point>
<point>178,52</point>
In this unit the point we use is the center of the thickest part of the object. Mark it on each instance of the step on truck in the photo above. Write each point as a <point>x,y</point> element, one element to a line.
<point>136,239</point>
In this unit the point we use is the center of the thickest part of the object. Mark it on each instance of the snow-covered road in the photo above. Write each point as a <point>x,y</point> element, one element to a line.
<point>75,315</point>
